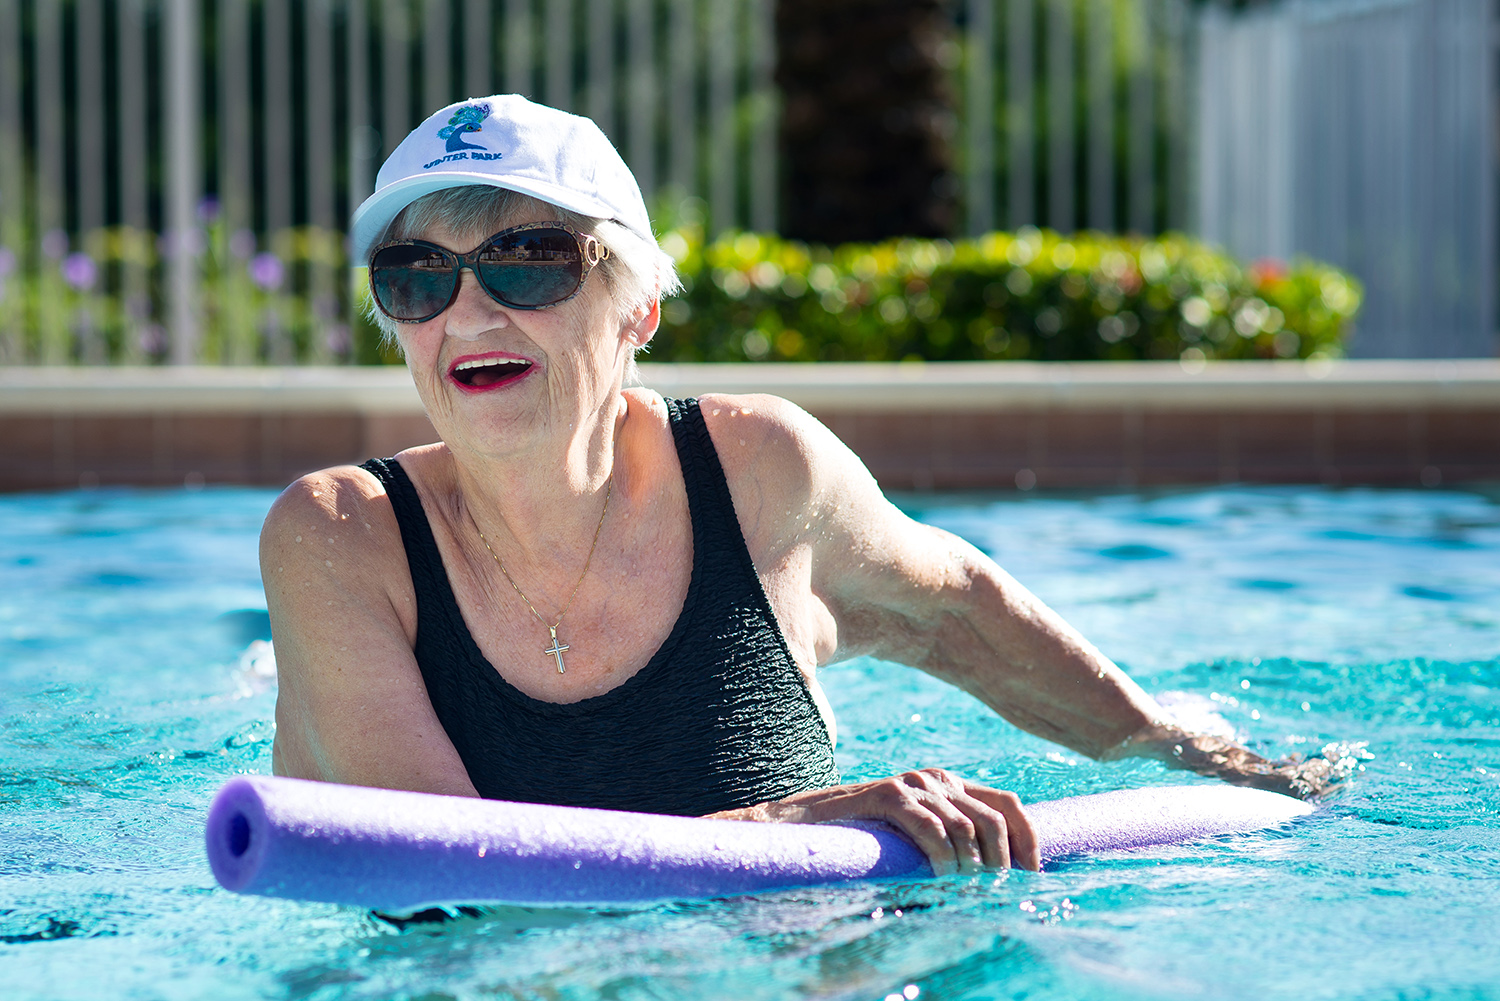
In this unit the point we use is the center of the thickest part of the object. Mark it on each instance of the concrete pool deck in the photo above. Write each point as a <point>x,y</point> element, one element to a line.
<point>962,425</point>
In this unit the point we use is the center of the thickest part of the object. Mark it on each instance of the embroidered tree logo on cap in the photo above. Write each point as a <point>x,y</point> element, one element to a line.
<point>465,119</point>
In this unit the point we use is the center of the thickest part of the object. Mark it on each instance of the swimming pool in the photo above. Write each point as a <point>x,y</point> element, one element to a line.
<point>1302,616</point>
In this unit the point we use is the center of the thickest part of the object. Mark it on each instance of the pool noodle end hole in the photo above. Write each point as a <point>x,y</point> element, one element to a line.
<point>239,835</point>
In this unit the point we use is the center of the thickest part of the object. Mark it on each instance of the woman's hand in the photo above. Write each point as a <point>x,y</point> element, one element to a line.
<point>960,826</point>
<point>1304,778</point>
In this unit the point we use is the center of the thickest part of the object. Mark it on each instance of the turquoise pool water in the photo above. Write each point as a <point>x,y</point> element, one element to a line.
<point>1301,616</point>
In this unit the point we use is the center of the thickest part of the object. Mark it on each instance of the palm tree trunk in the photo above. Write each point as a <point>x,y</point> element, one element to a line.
<point>867,117</point>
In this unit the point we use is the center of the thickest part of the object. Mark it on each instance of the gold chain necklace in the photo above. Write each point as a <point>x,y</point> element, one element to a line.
<point>557,649</point>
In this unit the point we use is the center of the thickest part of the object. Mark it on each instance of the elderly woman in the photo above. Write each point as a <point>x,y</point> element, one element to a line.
<point>586,594</point>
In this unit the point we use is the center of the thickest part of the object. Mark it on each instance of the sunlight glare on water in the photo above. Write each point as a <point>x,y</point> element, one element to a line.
<point>1293,617</point>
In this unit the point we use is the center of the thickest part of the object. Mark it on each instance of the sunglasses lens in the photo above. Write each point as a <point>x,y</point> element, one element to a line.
<point>411,282</point>
<point>532,267</point>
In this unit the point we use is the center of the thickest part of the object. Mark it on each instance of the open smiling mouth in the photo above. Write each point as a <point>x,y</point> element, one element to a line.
<point>488,373</point>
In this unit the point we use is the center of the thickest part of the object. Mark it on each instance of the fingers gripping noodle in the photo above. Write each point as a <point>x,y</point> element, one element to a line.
<point>400,851</point>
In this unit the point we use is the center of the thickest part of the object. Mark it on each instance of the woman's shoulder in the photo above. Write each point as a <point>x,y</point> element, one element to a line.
<point>336,494</point>
<point>770,439</point>
<point>340,514</point>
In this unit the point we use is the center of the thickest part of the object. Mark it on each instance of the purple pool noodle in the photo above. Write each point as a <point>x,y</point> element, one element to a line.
<point>1139,818</point>
<point>402,851</point>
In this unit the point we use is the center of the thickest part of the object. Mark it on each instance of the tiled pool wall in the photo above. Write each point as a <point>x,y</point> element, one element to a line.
<point>958,426</point>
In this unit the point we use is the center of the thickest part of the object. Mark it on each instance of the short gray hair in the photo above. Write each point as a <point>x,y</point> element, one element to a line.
<point>637,271</point>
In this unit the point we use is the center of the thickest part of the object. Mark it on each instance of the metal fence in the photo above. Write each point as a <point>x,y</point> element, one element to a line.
<point>1362,132</point>
<point>175,174</point>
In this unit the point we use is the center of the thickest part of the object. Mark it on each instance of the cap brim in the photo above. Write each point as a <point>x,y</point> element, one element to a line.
<point>376,214</point>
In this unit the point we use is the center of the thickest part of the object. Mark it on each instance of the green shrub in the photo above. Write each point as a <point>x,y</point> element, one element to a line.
<point>1029,295</point>
<point>1033,295</point>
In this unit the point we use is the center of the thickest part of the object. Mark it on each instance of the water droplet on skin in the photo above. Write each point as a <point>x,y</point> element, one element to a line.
<point>299,538</point>
<point>328,563</point>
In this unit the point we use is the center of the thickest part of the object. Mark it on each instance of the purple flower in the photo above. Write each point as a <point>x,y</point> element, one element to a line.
<point>208,211</point>
<point>80,271</point>
<point>267,271</point>
<point>7,261</point>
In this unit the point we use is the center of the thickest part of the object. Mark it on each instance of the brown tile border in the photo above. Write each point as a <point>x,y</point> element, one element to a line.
<point>935,427</point>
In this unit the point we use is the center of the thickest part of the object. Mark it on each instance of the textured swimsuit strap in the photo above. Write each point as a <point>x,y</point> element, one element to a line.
<point>424,561</point>
<point>716,527</point>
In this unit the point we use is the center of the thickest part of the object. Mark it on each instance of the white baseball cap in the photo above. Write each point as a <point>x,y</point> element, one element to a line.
<point>504,141</point>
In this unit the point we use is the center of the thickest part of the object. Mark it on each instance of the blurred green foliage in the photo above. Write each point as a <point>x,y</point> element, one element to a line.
<point>1033,295</point>
<point>103,300</point>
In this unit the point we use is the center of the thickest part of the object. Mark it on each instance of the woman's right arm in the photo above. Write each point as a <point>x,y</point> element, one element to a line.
<point>351,706</point>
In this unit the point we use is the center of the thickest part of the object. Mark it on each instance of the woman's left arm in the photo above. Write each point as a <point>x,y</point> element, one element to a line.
<point>912,593</point>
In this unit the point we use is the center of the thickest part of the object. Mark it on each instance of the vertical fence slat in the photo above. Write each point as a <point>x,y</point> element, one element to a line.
<point>236,204</point>
<point>1101,105</point>
<point>362,149</point>
<point>437,25</point>
<point>641,92</point>
<point>88,59</point>
<point>318,76</point>
<point>559,92</point>
<point>317,62</point>
<point>1174,104</point>
<point>518,45</point>
<point>395,73</point>
<point>47,64</point>
<point>722,182</point>
<point>682,81</point>
<point>48,188</point>
<point>276,122</point>
<point>601,64</point>
<point>133,191</point>
<point>1142,132</point>
<point>1061,169</point>
<point>763,186</point>
<point>979,117</point>
<point>276,160</point>
<point>1020,38</point>
<point>479,48</point>
<point>12,187</point>
<point>235,127</point>
<point>182,176</point>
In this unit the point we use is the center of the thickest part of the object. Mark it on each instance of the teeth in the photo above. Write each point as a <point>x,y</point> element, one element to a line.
<point>487,363</point>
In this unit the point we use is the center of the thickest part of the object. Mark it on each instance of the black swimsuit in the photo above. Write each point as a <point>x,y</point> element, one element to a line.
<point>720,717</point>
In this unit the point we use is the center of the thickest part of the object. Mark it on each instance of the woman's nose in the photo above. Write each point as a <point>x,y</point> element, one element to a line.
<point>473,312</point>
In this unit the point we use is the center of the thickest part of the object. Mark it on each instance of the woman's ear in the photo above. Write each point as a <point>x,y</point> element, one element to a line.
<point>640,328</point>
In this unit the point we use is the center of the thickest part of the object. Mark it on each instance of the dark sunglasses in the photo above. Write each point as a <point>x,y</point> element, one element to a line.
<point>531,266</point>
